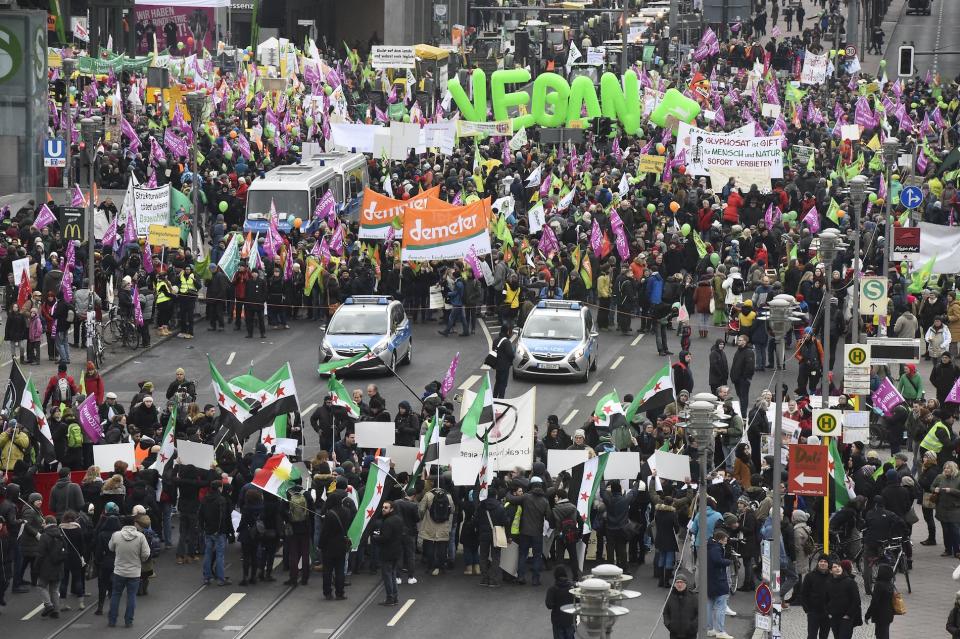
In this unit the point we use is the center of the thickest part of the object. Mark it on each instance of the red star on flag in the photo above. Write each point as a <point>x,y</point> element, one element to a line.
<point>584,496</point>
<point>370,512</point>
<point>656,387</point>
<point>163,458</point>
<point>239,393</point>
<point>483,485</point>
<point>233,409</point>
<point>221,399</point>
<point>41,422</point>
<point>280,391</point>
<point>268,440</point>
<point>608,409</point>
<point>263,398</point>
<point>33,406</point>
<point>334,397</point>
<point>379,488</point>
<point>589,476</point>
<point>419,456</point>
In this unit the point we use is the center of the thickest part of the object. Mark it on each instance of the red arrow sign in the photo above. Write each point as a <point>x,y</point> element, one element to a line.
<point>807,470</point>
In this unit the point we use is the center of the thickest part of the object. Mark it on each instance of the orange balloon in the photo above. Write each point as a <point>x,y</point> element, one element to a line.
<point>841,213</point>
<point>879,201</point>
<point>661,149</point>
<point>297,222</point>
<point>233,135</point>
<point>681,169</point>
<point>674,206</point>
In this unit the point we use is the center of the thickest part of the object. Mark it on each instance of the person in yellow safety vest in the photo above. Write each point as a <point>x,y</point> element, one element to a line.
<point>511,299</point>
<point>940,439</point>
<point>188,301</point>
<point>163,303</point>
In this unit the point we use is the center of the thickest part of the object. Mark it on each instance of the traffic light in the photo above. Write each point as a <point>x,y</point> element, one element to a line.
<point>905,62</point>
<point>604,126</point>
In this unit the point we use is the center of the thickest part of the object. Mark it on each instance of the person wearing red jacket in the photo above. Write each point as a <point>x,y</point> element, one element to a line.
<point>731,214</point>
<point>93,383</point>
<point>55,380</point>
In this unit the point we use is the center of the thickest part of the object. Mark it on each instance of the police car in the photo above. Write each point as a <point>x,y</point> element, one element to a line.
<point>558,339</point>
<point>377,322</point>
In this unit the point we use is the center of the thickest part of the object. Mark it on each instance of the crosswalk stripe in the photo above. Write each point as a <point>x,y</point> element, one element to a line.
<point>636,340</point>
<point>220,611</point>
<point>594,389</point>
<point>569,418</point>
<point>400,613</point>
<point>616,363</point>
<point>33,613</point>
<point>230,359</point>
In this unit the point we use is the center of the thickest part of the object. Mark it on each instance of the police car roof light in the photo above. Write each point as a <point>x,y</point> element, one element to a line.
<point>559,305</point>
<point>368,299</point>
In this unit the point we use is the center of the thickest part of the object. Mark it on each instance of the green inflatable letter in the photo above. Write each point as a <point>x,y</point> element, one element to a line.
<point>557,98</point>
<point>582,92</point>
<point>475,111</point>
<point>502,100</point>
<point>621,103</point>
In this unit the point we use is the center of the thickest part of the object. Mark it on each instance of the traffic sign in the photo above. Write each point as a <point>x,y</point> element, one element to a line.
<point>873,295</point>
<point>807,470</point>
<point>764,598</point>
<point>54,152</point>
<point>851,51</point>
<point>906,242</point>
<point>856,369</point>
<point>73,223</point>
<point>894,350</point>
<point>827,422</point>
<point>911,197</point>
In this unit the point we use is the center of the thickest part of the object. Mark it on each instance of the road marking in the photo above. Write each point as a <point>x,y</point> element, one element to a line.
<point>309,408</point>
<point>400,613</point>
<point>230,359</point>
<point>616,363</point>
<point>220,611</point>
<point>33,613</point>
<point>172,626</point>
<point>324,631</point>
<point>232,628</point>
<point>636,340</point>
<point>470,381</point>
<point>594,389</point>
<point>277,562</point>
<point>486,335</point>
<point>569,418</point>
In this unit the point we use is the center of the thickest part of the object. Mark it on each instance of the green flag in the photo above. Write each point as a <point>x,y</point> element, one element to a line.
<point>835,465</point>
<point>920,277</point>
<point>230,260</point>
<point>832,212</point>
<point>334,364</point>
<point>181,212</point>
<point>369,505</point>
<point>340,397</point>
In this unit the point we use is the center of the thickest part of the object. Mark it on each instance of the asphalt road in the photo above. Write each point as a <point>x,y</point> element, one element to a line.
<point>936,32</point>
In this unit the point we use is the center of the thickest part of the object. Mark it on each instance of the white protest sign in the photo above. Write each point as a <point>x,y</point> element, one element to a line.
<point>374,434</point>
<point>814,69</point>
<point>561,460</point>
<point>735,154</point>
<point>622,465</point>
<point>511,436</point>
<point>151,206</point>
<point>194,454</point>
<point>393,57</point>
<point>672,466</point>
<point>20,267</point>
<point>104,455</point>
<point>850,132</point>
<point>595,55</point>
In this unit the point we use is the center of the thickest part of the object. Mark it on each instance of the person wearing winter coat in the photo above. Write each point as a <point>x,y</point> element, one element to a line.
<point>14,444</point>
<point>667,524</point>
<point>680,613</point>
<point>719,368</point>
<point>559,595</point>
<point>48,567</point>
<point>434,535</point>
<point>334,546</point>
<point>65,494</point>
<point>29,540</point>
<point>938,339</point>
<point>813,597</point>
<point>843,602</point>
<point>943,376</point>
<point>880,610</point>
<point>388,535</point>
<point>130,549</point>
<point>489,513</point>
<point>801,533</point>
<point>406,425</point>
<point>536,510</point>
<point>718,586</point>
<point>75,528</point>
<point>953,619</point>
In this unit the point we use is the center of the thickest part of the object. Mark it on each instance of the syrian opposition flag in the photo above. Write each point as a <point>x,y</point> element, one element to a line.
<point>31,412</point>
<point>429,449</point>
<point>340,397</point>
<point>609,412</point>
<point>233,410</point>
<point>277,476</point>
<point>842,485</point>
<point>478,419</point>
<point>587,479</point>
<point>372,496</point>
<point>168,444</point>
<point>277,397</point>
<point>334,364</point>
<point>657,393</point>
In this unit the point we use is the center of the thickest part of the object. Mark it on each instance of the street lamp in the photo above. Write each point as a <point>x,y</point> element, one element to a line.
<point>891,148</point>
<point>69,67</point>
<point>701,416</point>
<point>831,243</point>
<point>614,576</point>
<point>594,609</point>
<point>91,131</point>
<point>858,193</point>
<point>196,102</point>
<point>783,312</point>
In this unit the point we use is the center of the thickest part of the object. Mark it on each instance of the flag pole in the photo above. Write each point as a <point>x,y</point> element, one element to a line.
<point>402,381</point>
<point>826,503</point>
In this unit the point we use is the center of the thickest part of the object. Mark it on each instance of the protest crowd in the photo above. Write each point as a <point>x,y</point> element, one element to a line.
<point>670,251</point>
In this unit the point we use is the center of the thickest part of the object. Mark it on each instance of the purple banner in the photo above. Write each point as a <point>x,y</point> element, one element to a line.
<point>447,384</point>
<point>886,397</point>
<point>89,418</point>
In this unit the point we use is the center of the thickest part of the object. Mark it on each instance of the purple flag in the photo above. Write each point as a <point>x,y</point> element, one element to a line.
<point>545,185</point>
<point>938,118</point>
<point>46,217</point>
<point>617,153</point>
<point>156,153</point>
<point>448,380</point>
<point>127,130</point>
<point>271,240</point>
<point>137,310</point>
<point>471,259</point>
<point>596,239</point>
<point>129,230</point>
<point>887,397</point>
<point>954,395</point>
<point>66,286</point>
<point>336,242</point>
<point>89,418</point>
<point>922,162</point>
<point>862,114</point>
<point>288,264</point>
<point>548,241</point>
<point>812,220</point>
<point>391,235</point>
<point>174,144</point>
<point>326,207</point>
<point>243,145</point>
<point>623,247</point>
<point>147,257</point>
<point>78,199</point>
<point>152,180</point>
<point>110,236</point>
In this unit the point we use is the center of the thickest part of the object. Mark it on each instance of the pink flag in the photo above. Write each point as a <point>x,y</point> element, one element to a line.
<point>89,418</point>
<point>336,243</point>
<point>46,217</point>
<point>391,235</point>
<point>288,264</point>
<point>471,259</point>
<point>887,397</point>
<point>954,395</point>
<point>137,310</point>
<point>147,258</point>
<point>623,246</point>
<point>66,286</point>
<point>272,239</point>
<point>129,230</point>
<point>812,220</point>
<point>71,260</point>
<point>448,380</point>
<point>596,239</point>
<point>545,185</point>
<point>127,130</point>
<point>243,145</point>
<point>922,162</point>
<point>110,236</point>
<point>617,153</point>
<point>548,241</point>
<point>78,199</point>
<point>326,208</point>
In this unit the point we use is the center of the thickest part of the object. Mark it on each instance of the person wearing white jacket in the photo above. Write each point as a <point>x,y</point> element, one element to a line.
<point>734,292</point>
<point>938,339</point>
<point>131,549</point>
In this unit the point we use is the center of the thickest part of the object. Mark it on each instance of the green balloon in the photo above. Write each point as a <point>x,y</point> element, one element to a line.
<point>685,230</point>
<point>406,117</point>
<point>714,258</point>
<point>327,90</point>
<point>651,207</point>
<point>309,121</point>
<point>180,45</point>
<point>872,197</point>
<point>883,63</point>
<point>790,216</point>
<point>223,206</point>
<point>833,175</point>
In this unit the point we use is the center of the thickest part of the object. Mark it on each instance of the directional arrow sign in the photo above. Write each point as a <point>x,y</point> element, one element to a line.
<point>911,197</point>
<point>807,470</point>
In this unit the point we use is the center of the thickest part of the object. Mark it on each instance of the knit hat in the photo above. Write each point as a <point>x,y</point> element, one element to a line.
<point>111,508</point>
<point>34,497</point>
<point>579,433</point>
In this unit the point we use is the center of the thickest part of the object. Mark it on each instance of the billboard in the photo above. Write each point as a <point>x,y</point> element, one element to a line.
<point>173,25</point>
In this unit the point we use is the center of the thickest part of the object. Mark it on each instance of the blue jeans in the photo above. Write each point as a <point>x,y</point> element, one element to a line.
<point>665,559</point>
<point>213,547</point>
<point>388,570</point>
<point>716,612</point>
<point>456,313</point>
<point>131,584</point>
<point>563,632</point>
<point>528,542</point>
<point>63,347</point>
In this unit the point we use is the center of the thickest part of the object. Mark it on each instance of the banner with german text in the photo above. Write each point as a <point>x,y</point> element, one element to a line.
<point>437,233</point>
<point>377,211</point>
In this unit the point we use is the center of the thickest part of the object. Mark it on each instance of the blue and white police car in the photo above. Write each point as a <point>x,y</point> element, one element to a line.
<point>377,322</point>
<point>558,339</point>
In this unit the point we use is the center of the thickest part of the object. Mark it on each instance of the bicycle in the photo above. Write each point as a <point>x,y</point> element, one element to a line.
<point>120,329</point>
<point>111,327</point>
<point>851,549</point>
<point>736,576</point>
<point>96,342</point>
<point>892,553</point>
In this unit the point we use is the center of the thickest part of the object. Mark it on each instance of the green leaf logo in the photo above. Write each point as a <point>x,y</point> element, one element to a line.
<point>11,54</point>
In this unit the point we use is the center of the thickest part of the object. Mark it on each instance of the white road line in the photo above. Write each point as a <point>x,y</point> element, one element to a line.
<point>324,631</point>
<point>467,383</point>
<point>616,363</point>
<point>594,389</point>
<point>172,626</point>
<point>232,628</point>
<point>220,611</point>
<point>33,613</point>
<point>636,340</point>
<point>230,359</point>
<point>486,335</point>
<point>569,418</point>
<point>403,609</point>
<point>277,562</point>
<point>309,409</point>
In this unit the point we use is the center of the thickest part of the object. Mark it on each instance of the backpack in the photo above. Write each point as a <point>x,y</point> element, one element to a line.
<point>58,553</point>
<point>808,544</point>
<point>570,529</point>
<point>74,436</point>
<point>62,393</point>
<point>440,510</point>
<point>620,437</point>
<point>736,286</point>
<point>298,507</point>
<point>153,540</point>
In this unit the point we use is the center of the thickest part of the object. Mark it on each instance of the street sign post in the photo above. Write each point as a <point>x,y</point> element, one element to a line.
<point>73,223</point>
<point>807,470</point>
<point>54,152</point>
<point>911,197</point>
<point>873,295</point>
<point>906,242</point>
<point>856,369</point>
<point>764,599</point>
<point>894,350</point>
<point>827,422</point>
